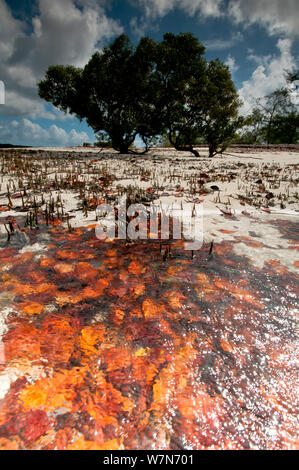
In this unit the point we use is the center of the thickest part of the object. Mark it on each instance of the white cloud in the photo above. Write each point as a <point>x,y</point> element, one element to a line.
<point>139,26</point>
<point>231,62</point>
<point>69,35</point>
<point>159,8</point>
<point>221,44</point>
<point>62,34</point>
<point>18,104</point>
<point>268,76</point>
<point>260,60</point>
<point>154,9</point>
<point>10,30</point>
<point>22,74</point>
<point>277,16</point>
<point>26,132</point>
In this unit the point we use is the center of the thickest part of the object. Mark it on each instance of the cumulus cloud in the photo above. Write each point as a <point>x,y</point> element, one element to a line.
<point>18,104</point>
<point>69,31</point>
<point>26,132</point>
<point>10,30</point>
<point>159,8</point>
<point>276,16</point>
<point>231,62</point>
<point>65,32</point>
<point>268,75</point>
<point>154,9</point>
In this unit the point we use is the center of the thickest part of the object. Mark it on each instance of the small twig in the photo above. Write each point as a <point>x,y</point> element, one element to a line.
<point>8,233</point>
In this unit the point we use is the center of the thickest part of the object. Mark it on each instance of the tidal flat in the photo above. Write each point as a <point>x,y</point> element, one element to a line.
<point>142,344</point>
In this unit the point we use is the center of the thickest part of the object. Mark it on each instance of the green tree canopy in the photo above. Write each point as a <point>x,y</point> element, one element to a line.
<point>151,90</point>
<point>61,86</point>
<point>274,119</point>
<point>178,80</point>
<point>220,104</point>
<point>196,100</point>
<point>109,92</point>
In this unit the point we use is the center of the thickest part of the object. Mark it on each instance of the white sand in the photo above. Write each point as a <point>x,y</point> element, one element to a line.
<point>169,170</point>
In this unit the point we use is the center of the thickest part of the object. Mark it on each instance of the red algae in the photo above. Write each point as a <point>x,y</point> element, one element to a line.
<point>108,346</point>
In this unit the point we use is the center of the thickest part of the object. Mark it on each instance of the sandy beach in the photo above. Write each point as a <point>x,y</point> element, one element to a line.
<point>239,191</point>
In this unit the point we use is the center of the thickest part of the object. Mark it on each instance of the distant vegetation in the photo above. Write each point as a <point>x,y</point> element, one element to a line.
<point>275,118</point>
<point>165,91</point>
<point>11,146</point>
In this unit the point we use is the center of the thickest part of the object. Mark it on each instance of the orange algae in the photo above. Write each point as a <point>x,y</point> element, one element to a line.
<point>82,444</point>
<point>151,309</point>
<point>51,393</point>
<point>135,268</point>
<point>91,338</point>
<point>32,308</point>
<point>114,348</point>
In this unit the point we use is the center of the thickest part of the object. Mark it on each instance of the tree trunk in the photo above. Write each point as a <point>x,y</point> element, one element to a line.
<point>212,152</point>
<point>123,144</point>
<point>183,148</point>
<point>123,149</point>
<point>187,149</point>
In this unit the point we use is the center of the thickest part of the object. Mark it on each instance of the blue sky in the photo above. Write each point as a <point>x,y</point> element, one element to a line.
<point>258,39</point>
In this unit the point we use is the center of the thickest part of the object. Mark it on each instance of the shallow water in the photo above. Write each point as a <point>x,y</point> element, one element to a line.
<point>107,346</point>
